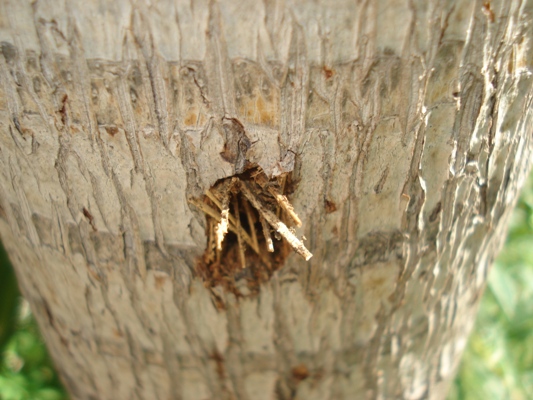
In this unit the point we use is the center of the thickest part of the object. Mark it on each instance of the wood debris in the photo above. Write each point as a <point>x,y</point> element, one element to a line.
<point>274,221</point>
<point>244,212</point>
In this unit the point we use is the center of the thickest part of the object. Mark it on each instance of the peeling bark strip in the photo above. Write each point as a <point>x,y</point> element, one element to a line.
<point>246,205</point>
<point>236,144</point>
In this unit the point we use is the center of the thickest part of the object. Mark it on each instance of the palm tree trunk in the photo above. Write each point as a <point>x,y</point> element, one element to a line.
<point>400,132</point>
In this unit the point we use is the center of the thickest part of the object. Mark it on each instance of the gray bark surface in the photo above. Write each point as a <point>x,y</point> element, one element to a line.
<point>406,126</point>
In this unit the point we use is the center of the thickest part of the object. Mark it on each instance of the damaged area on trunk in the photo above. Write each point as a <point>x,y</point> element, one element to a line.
<point>251,230</point>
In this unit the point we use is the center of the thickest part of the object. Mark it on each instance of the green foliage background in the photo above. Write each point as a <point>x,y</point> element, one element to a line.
<point>498,362</point>
<point>26,371</point>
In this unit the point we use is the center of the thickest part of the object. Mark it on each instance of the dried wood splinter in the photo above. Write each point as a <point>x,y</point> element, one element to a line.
<point>273,220</point>
<point>266,233</point>
<point>222,227</point>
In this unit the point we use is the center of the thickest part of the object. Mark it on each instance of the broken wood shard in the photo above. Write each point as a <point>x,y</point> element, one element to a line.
<point>222,227</point>
<point>266,234</point>
<point>274,221</point>
<point>239,238</point>
<point>284,203</point>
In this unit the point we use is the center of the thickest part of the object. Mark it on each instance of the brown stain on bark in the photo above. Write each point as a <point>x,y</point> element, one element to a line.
<point>190,119</point>
<point>63,110</point>
<point>219,364</point>
<point>117,333</point>
<point>330,206</point>
<point>487,10</point>
<point>328,72</point>
<point>300,372</point>
<point>159,281</point>
<point>111,130</point>
<point>257,110</point>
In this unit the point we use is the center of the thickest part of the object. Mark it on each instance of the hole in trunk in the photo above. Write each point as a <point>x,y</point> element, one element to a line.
<point>250,226</point>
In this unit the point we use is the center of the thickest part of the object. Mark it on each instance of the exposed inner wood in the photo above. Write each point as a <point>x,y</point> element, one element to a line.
<point>241,211</point>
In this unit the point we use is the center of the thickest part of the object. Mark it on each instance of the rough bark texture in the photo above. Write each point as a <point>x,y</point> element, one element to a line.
<point>406,125</point>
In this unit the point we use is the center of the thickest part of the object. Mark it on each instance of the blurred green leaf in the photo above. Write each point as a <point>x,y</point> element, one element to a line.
<point>9,299</point>
<point>498,362</point>
<point>504,289</point>
<point>26,372</point>
<point>49,394</point>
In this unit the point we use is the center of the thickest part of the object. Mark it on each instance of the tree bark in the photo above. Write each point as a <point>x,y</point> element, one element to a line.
<point>404,127</point>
